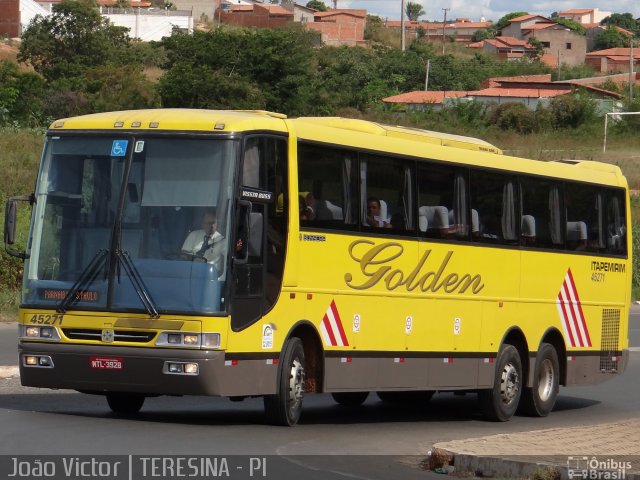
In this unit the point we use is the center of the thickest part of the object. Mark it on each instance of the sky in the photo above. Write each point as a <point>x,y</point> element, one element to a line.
<point>489,9</point>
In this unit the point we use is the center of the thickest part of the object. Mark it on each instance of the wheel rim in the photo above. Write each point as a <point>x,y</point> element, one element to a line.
<point>296,386</point>
<point>546,380</point>
<point>509,383</point>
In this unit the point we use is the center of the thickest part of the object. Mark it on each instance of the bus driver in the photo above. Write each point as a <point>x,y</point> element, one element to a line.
<point>206,242</point>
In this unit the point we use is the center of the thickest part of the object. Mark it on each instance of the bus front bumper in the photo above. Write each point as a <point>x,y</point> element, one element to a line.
<point>153,371</point>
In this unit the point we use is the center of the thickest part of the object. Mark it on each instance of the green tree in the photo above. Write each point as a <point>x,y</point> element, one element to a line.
<point>572,25</point>
<point>624,20</point>
<point>70,40</point>
<point>481,34</point>
<point>538,52</point>
<point>21,96</point>
<point>317,5</point>
<point>611,38</point>
<point>278,62</point>
<point>414,11</point>
<point>505,20</point>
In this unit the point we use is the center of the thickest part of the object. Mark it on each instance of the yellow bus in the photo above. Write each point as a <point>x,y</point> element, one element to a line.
<point>244,253</point>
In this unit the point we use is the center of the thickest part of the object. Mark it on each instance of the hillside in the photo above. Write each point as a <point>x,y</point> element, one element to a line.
<point>8,51</point>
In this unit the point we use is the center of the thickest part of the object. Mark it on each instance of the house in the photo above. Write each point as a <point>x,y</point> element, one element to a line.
<point>461,30</point>
<point>517,25</point>
<point>420,100</point>
<point>144,24</point>
<point>10,18</point>
<point>594,29</point>
<point>340,27</point>
<point>258,15</point>
<point>529,90</point>
<point>506,48</point>
<point>612,60</point>
<point>584,15</point>
<point>561,45</point>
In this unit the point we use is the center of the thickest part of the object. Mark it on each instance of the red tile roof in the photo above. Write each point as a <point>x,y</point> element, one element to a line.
<point>519,92</point>
<point>576,11</point>
<point>422,96</point>
<point>343,11</point>
<point>524,18</point>
<point>496,81</point>
<point>541,26</point>
<point>508,42</point>
<point>614,52</point>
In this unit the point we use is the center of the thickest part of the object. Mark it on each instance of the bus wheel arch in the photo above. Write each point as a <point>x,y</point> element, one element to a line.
<point>539,398</point>
<point>500,402</point>
<point>299,368</point>
<point>313,352</point>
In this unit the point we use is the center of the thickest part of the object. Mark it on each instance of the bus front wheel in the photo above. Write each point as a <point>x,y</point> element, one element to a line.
<point>500,402</point>
<point>284,408</point>
<point>125,403</point>
<point>538,401</point>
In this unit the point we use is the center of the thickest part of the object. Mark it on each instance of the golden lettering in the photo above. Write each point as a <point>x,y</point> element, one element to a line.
<point>376,265</point>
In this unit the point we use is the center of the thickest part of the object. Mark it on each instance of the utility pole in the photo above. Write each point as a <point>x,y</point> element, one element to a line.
<point>426,77</point>
<point>631,75</point>
<point>402,39</point>
<point>445,10</point>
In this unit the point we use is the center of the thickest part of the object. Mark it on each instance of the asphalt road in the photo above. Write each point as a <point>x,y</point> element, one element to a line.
<point>374,441</point>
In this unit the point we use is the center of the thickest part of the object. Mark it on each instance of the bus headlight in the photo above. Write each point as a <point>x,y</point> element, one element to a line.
<point>34,332</point>
<point>188,339</point>
<point>211,340</point>
<point>180,368</point>
<point>191,339</point>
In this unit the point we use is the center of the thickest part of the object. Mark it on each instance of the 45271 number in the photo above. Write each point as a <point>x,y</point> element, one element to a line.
<point>46,319</point>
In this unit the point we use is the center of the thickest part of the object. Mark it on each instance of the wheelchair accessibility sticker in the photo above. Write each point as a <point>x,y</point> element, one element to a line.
<point>119,148</point>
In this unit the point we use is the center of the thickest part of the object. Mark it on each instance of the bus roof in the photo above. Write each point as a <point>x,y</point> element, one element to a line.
<point>176,119</point>
<point>341,131</point>
<point>412,134</point>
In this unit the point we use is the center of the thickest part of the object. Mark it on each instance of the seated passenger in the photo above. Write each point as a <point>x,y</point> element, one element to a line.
<point>374,218</point>
<point>306,206</point>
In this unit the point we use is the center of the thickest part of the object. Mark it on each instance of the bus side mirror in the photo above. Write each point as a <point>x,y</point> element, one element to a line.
<point>10,222</point>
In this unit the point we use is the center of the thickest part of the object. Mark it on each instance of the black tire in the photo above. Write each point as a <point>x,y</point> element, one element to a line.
<point>284,408</point>
<point>539,400</point>
<point>420,396</point>
<point>500,402</point>
<point>350,399</point>
<point>125,403</point>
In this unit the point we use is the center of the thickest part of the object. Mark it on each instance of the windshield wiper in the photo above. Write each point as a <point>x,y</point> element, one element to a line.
<point>87,276</point>
<point>137,282</point>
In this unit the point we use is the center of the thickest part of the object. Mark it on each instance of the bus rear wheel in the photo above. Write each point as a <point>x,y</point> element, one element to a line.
<point>284,408</point>
<point>538,401</point>
<point>500,402</point>
<point>350,399</point>
<point>125,403</point>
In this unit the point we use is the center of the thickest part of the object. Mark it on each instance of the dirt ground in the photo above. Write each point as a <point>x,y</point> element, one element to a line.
<point>8,51</point>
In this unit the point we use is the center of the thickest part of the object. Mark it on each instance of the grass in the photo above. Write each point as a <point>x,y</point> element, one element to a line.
<point>9,301</point>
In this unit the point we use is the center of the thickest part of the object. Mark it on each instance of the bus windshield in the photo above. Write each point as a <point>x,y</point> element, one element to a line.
<point>132,224</point>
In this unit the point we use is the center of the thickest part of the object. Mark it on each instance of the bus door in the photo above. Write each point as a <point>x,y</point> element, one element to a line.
<point>261,221</point>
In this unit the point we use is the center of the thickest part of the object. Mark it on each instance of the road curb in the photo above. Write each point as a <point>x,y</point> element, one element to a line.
<point>8,372</point>
<point>483,466</point>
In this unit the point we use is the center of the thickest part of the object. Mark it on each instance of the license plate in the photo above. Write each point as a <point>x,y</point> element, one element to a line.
<point>106,363</point>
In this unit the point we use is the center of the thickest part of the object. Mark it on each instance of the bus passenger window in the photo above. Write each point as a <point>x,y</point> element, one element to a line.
<point>326,180</point>
<point>387,194</point>
<point>443,203</point>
